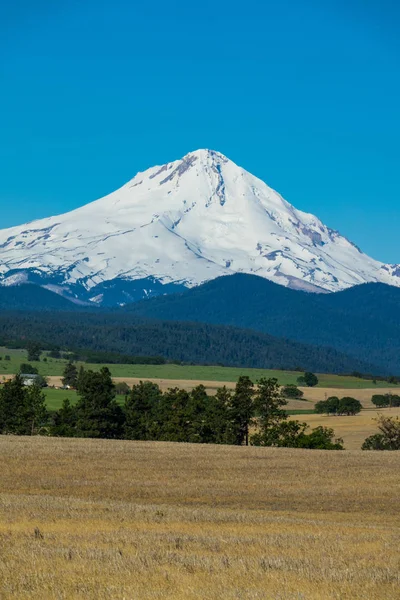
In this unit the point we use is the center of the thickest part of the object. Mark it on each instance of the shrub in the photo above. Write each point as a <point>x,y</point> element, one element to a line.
<point>291,391</point>
<point>388,438</point>
<point>310,379</point>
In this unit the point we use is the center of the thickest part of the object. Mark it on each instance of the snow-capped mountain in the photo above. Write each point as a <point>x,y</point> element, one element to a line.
<point>181,224</point>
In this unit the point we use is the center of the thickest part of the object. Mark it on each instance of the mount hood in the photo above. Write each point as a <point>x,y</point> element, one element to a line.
<point>176,226</point>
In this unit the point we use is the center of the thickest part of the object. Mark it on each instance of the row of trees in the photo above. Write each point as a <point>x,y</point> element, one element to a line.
<point>246,415</point>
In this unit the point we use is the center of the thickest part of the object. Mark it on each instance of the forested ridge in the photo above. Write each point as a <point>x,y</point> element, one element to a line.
<point>362,321</point>
<point>196,343</point>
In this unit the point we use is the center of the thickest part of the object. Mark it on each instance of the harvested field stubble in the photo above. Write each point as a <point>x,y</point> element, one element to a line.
<point>137,520</point>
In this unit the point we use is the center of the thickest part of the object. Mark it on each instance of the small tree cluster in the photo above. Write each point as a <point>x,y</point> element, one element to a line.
<point>334,406</point>
<point>385,400</point>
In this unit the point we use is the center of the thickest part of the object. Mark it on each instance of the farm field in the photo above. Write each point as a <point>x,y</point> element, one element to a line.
<point>195,373</point>
<point>101,519</point>
<point>353,429</point>
<point>311,395</point>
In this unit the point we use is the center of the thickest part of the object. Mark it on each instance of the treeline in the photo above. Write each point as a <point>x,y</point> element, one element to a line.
<point>195,343</point>
<point>247,415</point>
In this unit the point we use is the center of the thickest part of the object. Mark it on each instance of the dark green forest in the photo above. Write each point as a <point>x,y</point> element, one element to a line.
<point>197,343</point>
<point>362,321</point>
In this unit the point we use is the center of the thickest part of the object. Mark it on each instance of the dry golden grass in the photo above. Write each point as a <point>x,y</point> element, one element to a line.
<point>353,430</point>
<point>144,521</point>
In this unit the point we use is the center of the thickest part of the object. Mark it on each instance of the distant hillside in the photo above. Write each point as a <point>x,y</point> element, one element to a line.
<point>187,342</point>
<point>32,297</point>
<point>362,321</point>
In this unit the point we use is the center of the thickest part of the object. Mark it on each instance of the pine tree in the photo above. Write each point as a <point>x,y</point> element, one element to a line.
<point>171,425</point>
<point>268,404</point>
<point>22,408</point>
<point>64,420</point>
<point>218,416</point>
<point>141,407</point>
<point>98,414</point>
<point>70,377</point>
<point>12,402</point>
<point>80,377</point>
<point>34,351</point>
<point>197,424</point>
<point>241,410</point>
<point>35,413</point>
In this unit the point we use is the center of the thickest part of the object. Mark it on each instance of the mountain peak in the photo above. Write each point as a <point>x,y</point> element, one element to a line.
<point>206,153</point>
<point>184,223</point>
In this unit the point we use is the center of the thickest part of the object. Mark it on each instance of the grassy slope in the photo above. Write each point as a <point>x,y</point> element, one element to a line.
<point>164,521</point>
<point>56,367</point>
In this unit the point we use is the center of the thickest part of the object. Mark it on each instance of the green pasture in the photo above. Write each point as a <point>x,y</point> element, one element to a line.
<point>56,367</point>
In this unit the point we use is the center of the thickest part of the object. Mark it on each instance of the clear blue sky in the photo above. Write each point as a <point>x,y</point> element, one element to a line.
<point>305,95</point>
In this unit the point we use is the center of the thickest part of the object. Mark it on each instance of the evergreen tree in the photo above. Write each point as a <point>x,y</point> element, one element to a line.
<point>35,414</point>
<point>64,420</point>
<point>98,414</point>
<point>70,376</point>
<point>241,410</point>
<point>80,377</point>
<point>268,404</point>
<point>141,406</point>
<point>197,422</point>
<point>218,416</point>
<point>22,408</point>
<point>33,351</point>
<point>171,425</point>
<point>12,402</point>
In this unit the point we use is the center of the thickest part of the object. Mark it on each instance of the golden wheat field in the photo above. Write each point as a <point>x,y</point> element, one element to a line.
<point>353,429</point>
<point>146,520</point>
